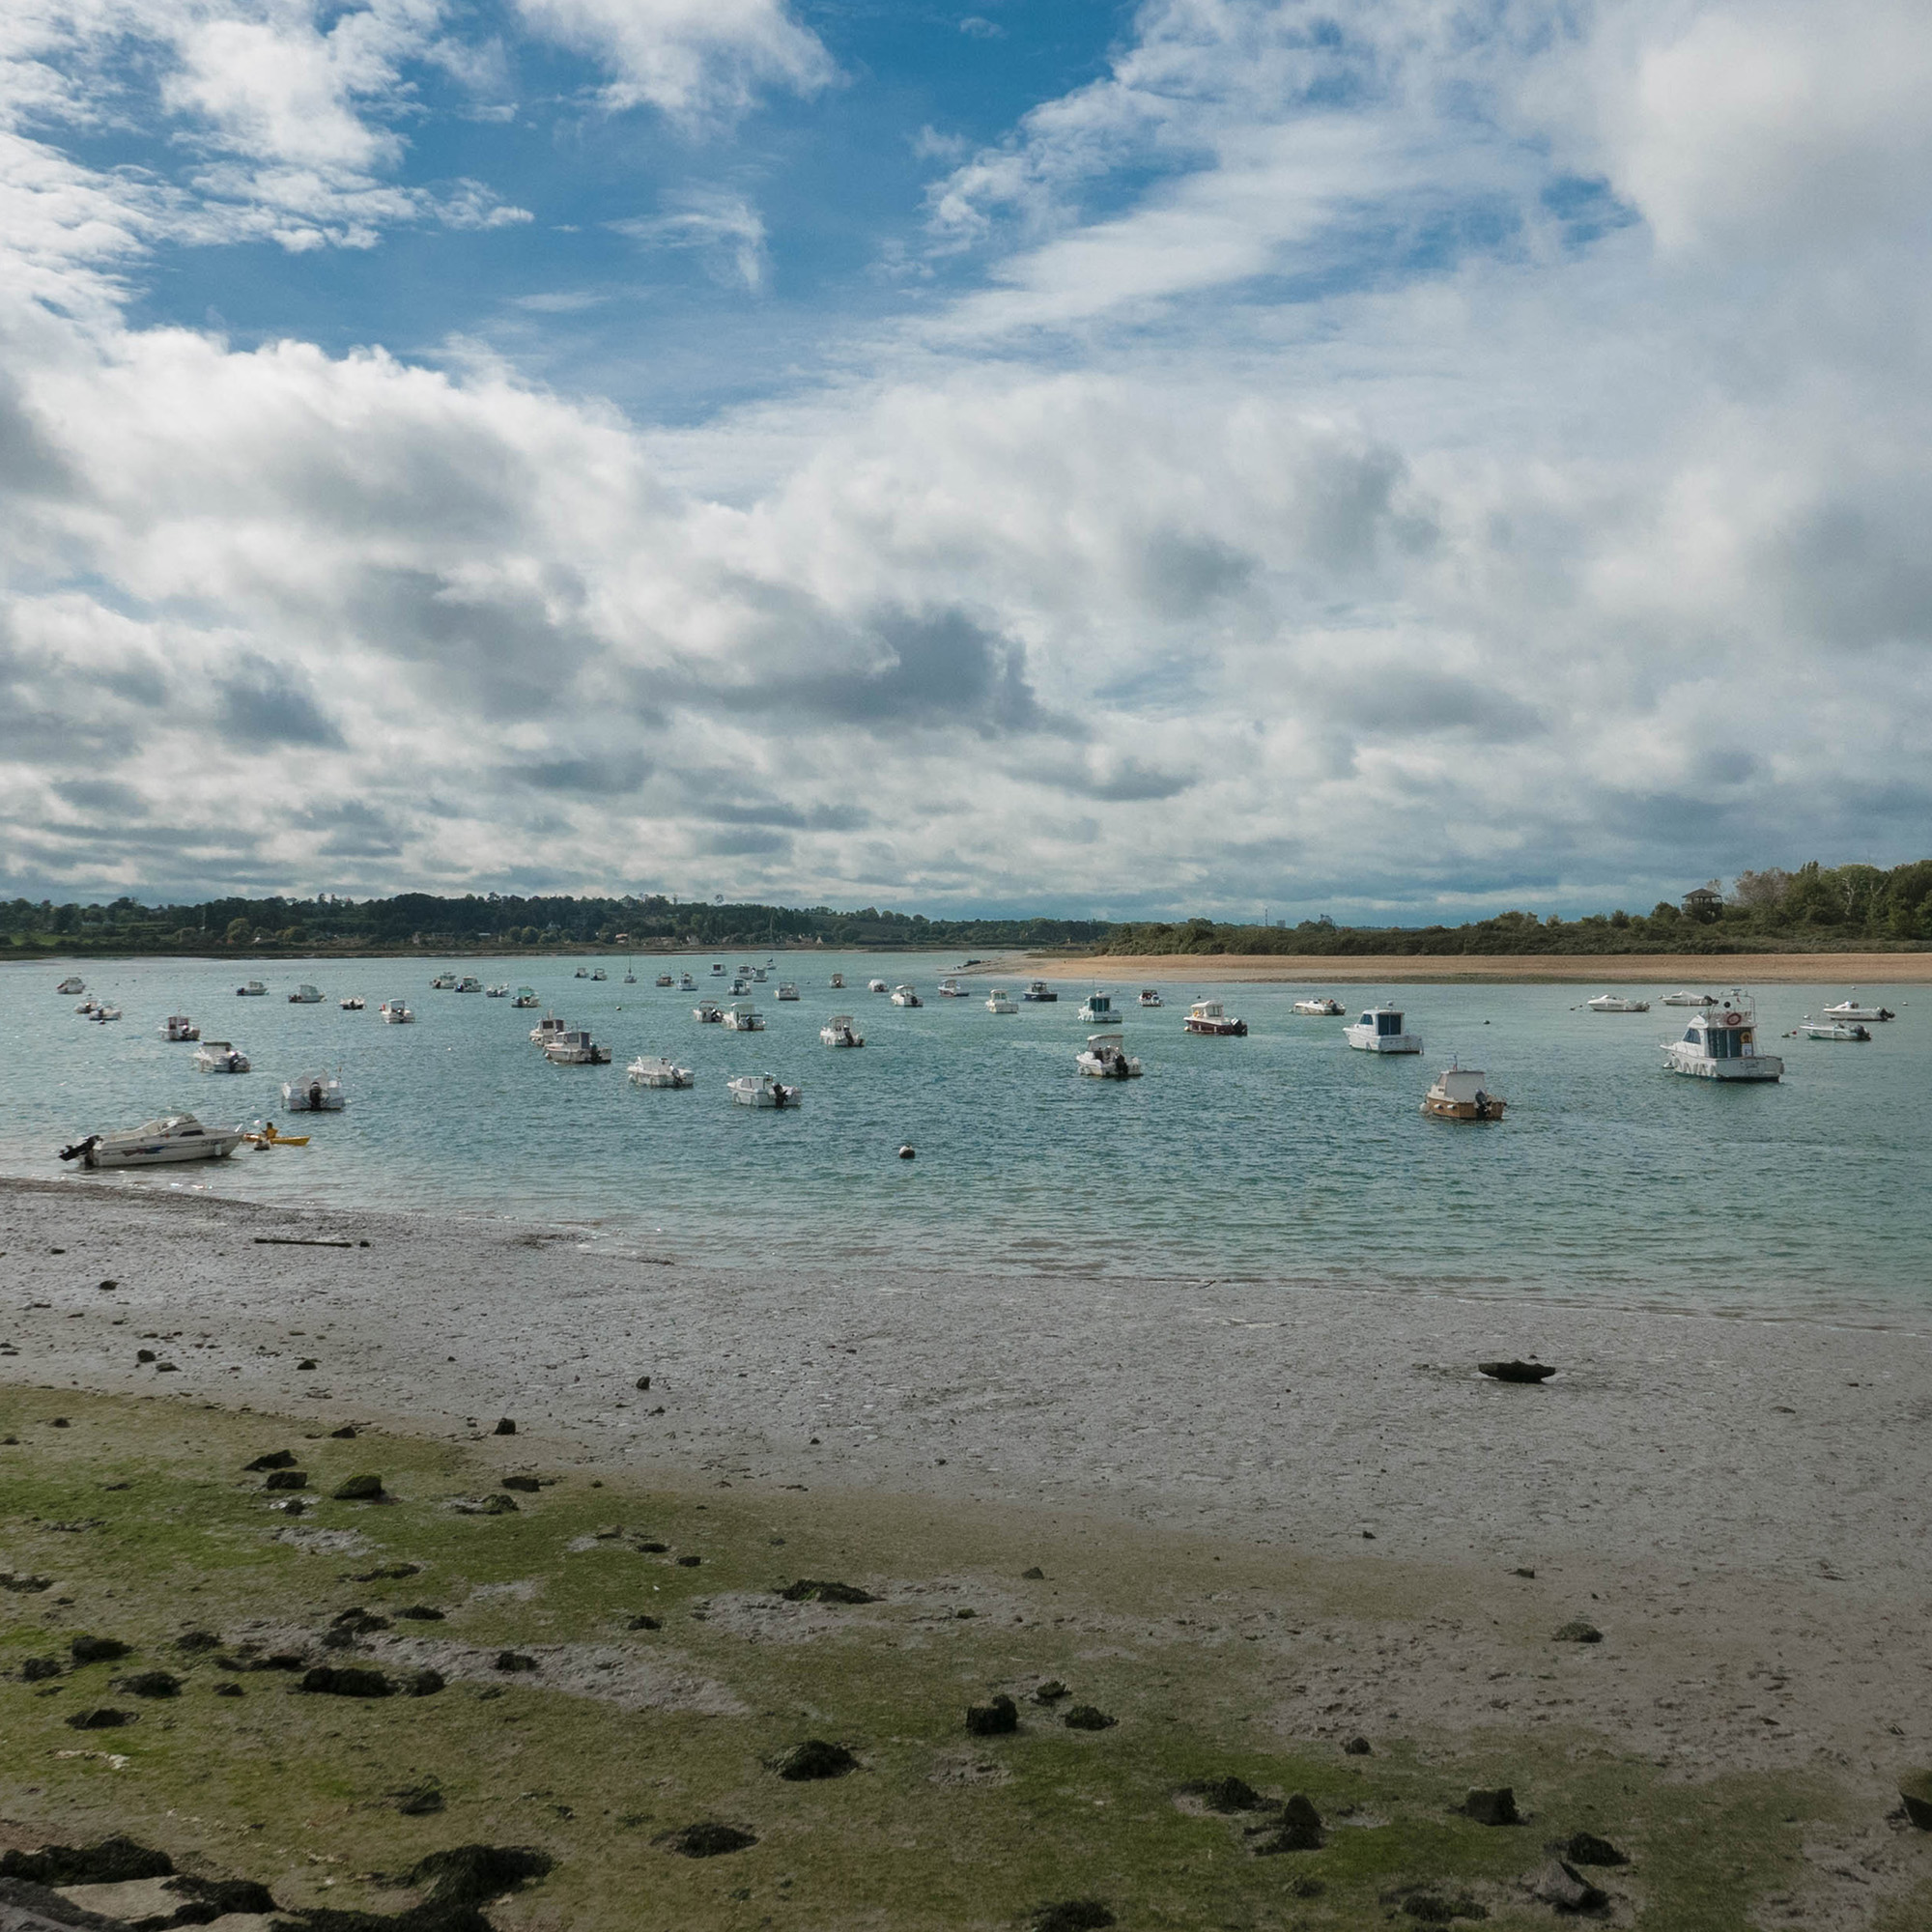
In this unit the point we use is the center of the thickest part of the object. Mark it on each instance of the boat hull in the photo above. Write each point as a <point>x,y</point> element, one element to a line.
<point>1384,1042</point>
<point>1757,1067</point>
<point>1217,1029</point>
<point>162,1153</point>
<point>1441,1109</point>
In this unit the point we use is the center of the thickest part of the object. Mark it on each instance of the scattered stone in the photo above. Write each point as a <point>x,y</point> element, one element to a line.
<point>1585,1848</point>
<point>161,1369</point>
<point>643,1382</point>
<point>1577,1632</point>
<point>710,1840</point>
<point>395,1573</point>
<point>99,1649</point>
<point>426,1683</point>
<point>1522,1570</point>
<point>102,1719</point>
<point>421,1613</point>
<point>497,1505</point>
<point>1033,1576</point>
<point>1300,1829</point>
<point>197,1640</point>
<point>307,1362</point>
<point>689,1562</point>
<point>115,1861</point>
<point>151,1684</point>
<point>1089,1718</point>
<point>341,1680</point>
<point>1516,1372</point>
<point>30,1586</point>
<point>346,1434</point>
<point>815,1758</point>
<point>1566,1890</point>
<point>1432,1908</point>
<point>277,1459</point>
<point>643,1624</point>
<point>1072,1915</point>
<point>287,1478</point>
<point>965,1613</point>
<point>294,1506</point>
<point>1359,1748</point>
<point>993,1721</point>
<point>229,1691</point>
<point>515,1659</point>
<point>38,1669</point>
<point>108,1287</point>
<point>422,1801</point>
<point>504,1428</point>
<point>1051,1692</point>
<point>359,1490</point>
<point>224,1894</point>
<point>145,1355</point>
<point>61,1422</point>
<point>1491,1807</point>
<point>814,1590</point>
<point>459,1879</point>
<point>524,1485</point>
<point>1228,1795</point>
<point>650,1546</point>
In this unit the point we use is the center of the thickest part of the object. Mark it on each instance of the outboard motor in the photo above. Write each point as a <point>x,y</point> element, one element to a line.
<point>79,1148</point>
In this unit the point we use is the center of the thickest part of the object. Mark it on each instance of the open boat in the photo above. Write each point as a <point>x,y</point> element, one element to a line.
<point>72,986</point>
<point>836,982</point>
<point>496,992</point>
<point>657,1072</point>
<point>524,997</point>
<point>1459,1095</point>
<point>838,1031</point>
<point>707,1012</point>
<point>175,1137</point>
<point>1105,1057</point>
<point>396,1014</point>
<point>1854,1010</point>
<point>179,1027</point>
<point>353,1004</point>
<point>263,1137</point>
<point>1834,1029</point>
<point>101,1014</point>
<point>314,1093</point>
<point>218,1056</point>
<point>1684,998</point>
<point>743,1017</point>
<point>1615,1002</point>
<point>760,1089</point>
<point>1323,1009</point>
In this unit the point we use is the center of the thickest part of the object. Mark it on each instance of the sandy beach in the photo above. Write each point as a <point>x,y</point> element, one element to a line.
<point>1697,971</point>
<point>1737,1504</point>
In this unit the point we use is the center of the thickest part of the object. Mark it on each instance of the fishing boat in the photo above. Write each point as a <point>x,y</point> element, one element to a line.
<point>707,1012</point>
<point>175,1137</point>
<point>1040,994</point>
<point>100,1016</point>
<point>1379,1030</point>
<point>1208,1016</point>
<point>526,998</point>
<point>838,1031</point>
<point>1721,1043</point>
<point>314,1093</point>
<point>1684,998</point>
<point>469,983</point>
<point>218,1056</point>
<point>1322,1008</point>
<point>999,1001</point>
<point>664,980</point>
<point>686,984</point>
<point>72,986</point>
<point>1834,1029</point>
<point>353,1004</point>
<point>305,995</point>
<point>743,1017</point>
<point>740,986</point>
<point>877,986</point>
<point>949,988</point>
<point>1099,1010</point>
<point>760,1089</point>
<point>396,1014</point>
<point>1151,997</point>
<point>786,990</point>
<point>1856,1010</point>
<point>600,974</point>
<point>717,969</point>
<point>1615,1002</point>
<point>657,1072</point>
<point>1105,1058</point>
<point>179,1027</point>
<point>573,1047</point>
<point>1459,1095</point>
<point>904,996</point>
<point>496,992</point>
<point>758,974</point>
<point>443,982</point>
<point>836,982</point>
<point>547,1030</point>
<point>251,990</point>
<point>582,973</point>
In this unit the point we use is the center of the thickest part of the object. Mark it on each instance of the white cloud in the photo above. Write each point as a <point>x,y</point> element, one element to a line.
<point>716,221</point>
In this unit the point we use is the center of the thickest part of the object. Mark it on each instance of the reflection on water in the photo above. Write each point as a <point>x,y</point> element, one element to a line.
<point>1283,1156</point>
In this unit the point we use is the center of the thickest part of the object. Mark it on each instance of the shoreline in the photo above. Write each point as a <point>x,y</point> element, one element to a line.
<point>1697,971</point>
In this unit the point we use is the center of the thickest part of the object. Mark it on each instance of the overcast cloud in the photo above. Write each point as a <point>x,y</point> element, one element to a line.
<point>1397,461</point>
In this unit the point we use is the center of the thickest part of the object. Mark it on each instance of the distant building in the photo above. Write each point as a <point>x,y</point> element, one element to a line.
<point>1703,901</point>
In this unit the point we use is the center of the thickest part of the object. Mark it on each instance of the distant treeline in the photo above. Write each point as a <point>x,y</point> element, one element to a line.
<point>1814,909</point>
<point>499,923</point>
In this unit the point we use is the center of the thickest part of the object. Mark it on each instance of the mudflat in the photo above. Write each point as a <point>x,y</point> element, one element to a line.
<point>1672,1596</point>
<point>1697,971</point>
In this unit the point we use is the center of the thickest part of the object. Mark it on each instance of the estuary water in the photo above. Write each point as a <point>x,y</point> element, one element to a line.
<point>1281,1156</point>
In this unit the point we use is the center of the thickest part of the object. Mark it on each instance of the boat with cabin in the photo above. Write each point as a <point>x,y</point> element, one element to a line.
<point>1097,1011</point>
<point>173,1138</point>
<point>251,990</point>
<point>1721,1043</point>
<point>179,1027</point>
<point>686,984</point>
<point>101,1014</point>
<point>949,988</point>
<point>740,986</point>
<point>600,974</point>
<point>469,983</point>
<point>760,1089</point>
<point>1320,1009</point>
<point>1151,997</point>
<point>353,1004</point>
<point>836,982</point>
<point>524,997</point>
<point>1211,1017</point>
<point>905,996</point>
<point>305,995</point>
<point>396,1013</point>
<point>838,1031</point>
<point>786,990</point>
<point>664,980</point>
<point>1462,1094</point>
<point>74,984</point>
<point>877,986</point>
<point>630,978</point>
<point>740,1016</point>
<point>1105,1057</point>
<point>656,1071</point>
<point>707,1012</point>
<point>1616,1003</point>
<point>443,982</point>
<point>999,1001</point>
<point>1040,994</point>
<point>573,1047</point>
<point>1682,997</point>
<point>717,969</point>
<point>547,1030</point>
<point>1854,1010</point>
<point>315,1093</point>
<point>1379,1030</point>
<point>581,973</point>
<point>220,1056</point>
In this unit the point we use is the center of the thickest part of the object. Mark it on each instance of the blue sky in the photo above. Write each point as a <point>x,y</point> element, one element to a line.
<point>1397,461</point>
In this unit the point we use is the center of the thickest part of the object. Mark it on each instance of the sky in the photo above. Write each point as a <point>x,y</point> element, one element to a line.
<point>1398,461</point>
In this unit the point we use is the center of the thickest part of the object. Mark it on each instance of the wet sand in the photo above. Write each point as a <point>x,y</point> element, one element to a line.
<point>1699,972</point>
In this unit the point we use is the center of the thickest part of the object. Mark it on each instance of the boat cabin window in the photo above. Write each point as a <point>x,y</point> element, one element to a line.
<point>1368,1019</point>
<point>1388,1023</point>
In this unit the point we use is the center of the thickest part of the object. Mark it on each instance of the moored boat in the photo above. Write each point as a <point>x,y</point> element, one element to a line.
<point>600,974</point>
<point>1322,1009</point>
<point>469,983</point>
<point>1854,1010</point>
<point>1682,997</point>
<point>1379,1030</point>
<point>573,1047</point>
<point>1099,1010</point>
<point>706,1012</point>
<point>251,990</point>
<point>175,1137</point>
<point>743,1017</point>
<point>547,1030</point>
<point>877,986</point>
<point>1210,1017</point>
<point>664,980</point>
<point>314,1093</point>
<point>582,973</point>
<point>305,995</point>
<point>220,1056</point>
<point>353,1004</point>
<point>1721,1043</point>
<point>1151,997</point>
<point>686,984</point>
<point>1460,1094</point>
<point>1040,994</point>
<point>74,984</point>
<point>443,982</point>
<point>999,1001</point>
<point>1834,1029</point>
<point>179,1027</point>
<point>786,990</point>
<point>526,998</point>
<point>760,1089</point>
<point>395,1012</point>
<point>101,1014</point>
<point>1616,1003</point>
<point>656,1071</point>
<point>949,988</point>
<point>1105,1057</point>
<point>838,1031</point>
<point>904,996</point>
<point>836,982</point>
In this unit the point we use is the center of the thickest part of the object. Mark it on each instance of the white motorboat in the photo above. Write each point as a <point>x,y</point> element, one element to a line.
<point>396,1014</point>
<point>1151,997</point>
<point>707,1012</point>
<point>758,974</point>
<point>904,996</point>
<point>1208,1016</point>
<point>175,1137</point>
<point>1099,1010</point>
<point>657,1072</point>
<point>526,998</point>
<point>305,995</point>
<point>252,989</point>
<point>1854,1010</point>
<point>1322,1008</point>
<point>999,1001</point>
<point>836,982</point>
<point>1721,1043</point>
<point>582,973</point>
<point>600,974</point>
<point>877,986</point>
<point>664,980</point>
<point>1615,1002</point>
<point>496,992</point>
<point>949,988</point>
<point>717,969</point>
<point>1682,997</point>
<point>743,1017</point>
<point>353,1004</point>
<point>218,1056</point>
<point>1460,1094</point>
<point>72,986</point>
<point>1379,1030</point>
<point>1106,1058</point>
<point>838,1031</point>
<point>786,990</point>
<point>1834,1029</point>
<point>443,982</point>
<point>469,983</point>
<point>100,1016</point>
<point>314,1093</point>
<point>179,1027</point>
<point>547,1030</point>
<point>760,1089</point>
<point>740,986</point>
<point>1040,994</point>
<point>686,984</point>
<point>573,1047</point>
<point>88,1007</point>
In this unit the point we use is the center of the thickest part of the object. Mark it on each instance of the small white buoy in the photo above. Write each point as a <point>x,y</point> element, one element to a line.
<point>906,1151</point>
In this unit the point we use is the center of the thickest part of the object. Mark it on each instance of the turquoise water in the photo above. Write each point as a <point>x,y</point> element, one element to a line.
<point>1283,1156</point>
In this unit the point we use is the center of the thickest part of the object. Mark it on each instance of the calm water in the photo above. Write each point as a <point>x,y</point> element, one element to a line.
<point>1282,1155</point>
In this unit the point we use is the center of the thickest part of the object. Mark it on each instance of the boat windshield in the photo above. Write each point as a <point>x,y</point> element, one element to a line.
<point>1388,1023</point>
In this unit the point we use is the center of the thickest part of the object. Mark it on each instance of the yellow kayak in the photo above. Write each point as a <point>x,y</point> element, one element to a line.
<point>268,1137</point>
